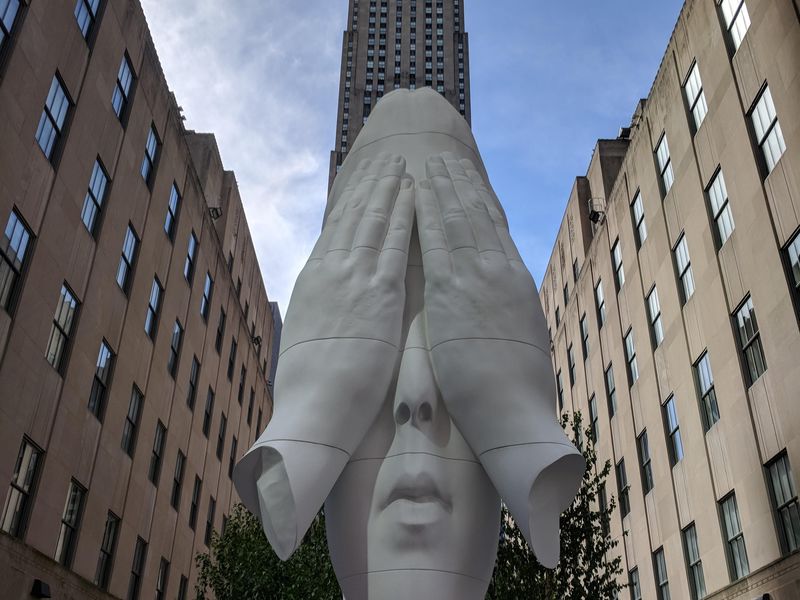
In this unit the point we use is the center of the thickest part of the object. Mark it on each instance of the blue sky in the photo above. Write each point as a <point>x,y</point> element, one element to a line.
<point>548,80</point>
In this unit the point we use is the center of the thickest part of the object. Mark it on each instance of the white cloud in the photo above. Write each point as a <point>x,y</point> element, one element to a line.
<point>262,75</point>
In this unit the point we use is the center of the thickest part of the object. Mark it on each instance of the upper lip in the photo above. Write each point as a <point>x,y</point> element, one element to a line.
<point>419,487</point>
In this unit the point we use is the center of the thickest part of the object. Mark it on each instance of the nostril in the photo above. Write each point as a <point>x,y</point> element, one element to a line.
<point>402,414</point>
<point>425,412</point>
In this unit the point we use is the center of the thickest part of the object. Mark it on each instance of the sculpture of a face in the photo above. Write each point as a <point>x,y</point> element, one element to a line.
<point>414,386</point>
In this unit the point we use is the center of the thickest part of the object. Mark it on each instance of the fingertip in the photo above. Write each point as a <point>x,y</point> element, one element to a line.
<point>425,184</point>
<point>407,183</point>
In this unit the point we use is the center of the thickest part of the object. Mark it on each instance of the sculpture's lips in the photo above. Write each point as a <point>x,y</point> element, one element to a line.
<point>421,489</point>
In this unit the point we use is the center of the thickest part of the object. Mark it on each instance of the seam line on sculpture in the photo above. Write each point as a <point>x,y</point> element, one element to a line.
<point>525,444</point>
<point>467,460</point>
<point>417,569</point>
<point>324,339</point>
<point>493,339</point>
<point>266,442</point>
<point>409,133</point>
<point>464,248</point>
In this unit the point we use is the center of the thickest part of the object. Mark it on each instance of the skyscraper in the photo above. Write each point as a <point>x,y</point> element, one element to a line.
<point>392,44</point>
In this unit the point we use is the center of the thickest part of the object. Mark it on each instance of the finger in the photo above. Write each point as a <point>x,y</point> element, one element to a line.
<point>432,239</point>
<point>371,231</point>
<point>394,253</point>
<point>328,229</point>
<point>474,206</point>
<point>482,183</point>
<point>457,228</point>
<point>355,199</point>
<point>498,218</point>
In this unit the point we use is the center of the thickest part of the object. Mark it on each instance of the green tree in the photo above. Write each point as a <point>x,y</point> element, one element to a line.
<point>586,568</point>
<point>241,565</point>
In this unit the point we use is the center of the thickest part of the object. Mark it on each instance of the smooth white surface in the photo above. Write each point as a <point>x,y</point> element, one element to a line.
<point>414,378</point>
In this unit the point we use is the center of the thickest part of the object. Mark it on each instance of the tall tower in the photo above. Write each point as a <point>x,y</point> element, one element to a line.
<point>391,44</point>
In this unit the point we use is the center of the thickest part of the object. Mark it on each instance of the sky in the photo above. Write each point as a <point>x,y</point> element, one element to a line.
<point>548,78</point>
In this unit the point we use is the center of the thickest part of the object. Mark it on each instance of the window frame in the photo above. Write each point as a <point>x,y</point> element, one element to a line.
<point>600,303</point>
<point>785,505</point>
<point>151,157</point>
<point>619,264</point>
<point>130,428</point>
<point>22,495</point>
<point>594,418</point>
<point>767,161</point>
<point>194,380</point>
<point>137,569</point>
<point>611,390</point>
<point>584,325</point>
<point>70,524</point>
<point>177,480</point>
<point>88,34</point>
<point>128,259</point>
<point>59,126</point>
<point>191,258</point>
<point>706,391</point>
<point>684,273</point>
<point>793,277</point>
<point>208,295</point>
<point>699,100</point>
<point>752,370</point>
<point>153,314</point>
<point>630,357</point>
<point>108,549</point>
<point>197,490</point>
<point>102,380</point>
<point>734,38</point>
<point>672,430</point>
<point>208,411</point>
<point>645,462</point>
<point>212,509</point>
<point>659,571</point>
<point>694,564</point>
<point>175,349</point>
<point>571,366</point>
<point>60,361</point>
<point>173,212</point>
<point>638,218</point>
<point>623,488</point>
<point>99,183</point>
<point>157,453</point>
<point>17,267</point>
<point>654,317</point>
<point>738,562</point>
<point>719,209</point>
<point>120,91</point>
<point>665,169</point>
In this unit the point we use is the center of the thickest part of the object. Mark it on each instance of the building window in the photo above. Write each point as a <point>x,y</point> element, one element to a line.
<point>232,459</point>
<point>137,569</point>
<point>198,486</point>
<point>684,266</point>
<point>674,441</point>
<point>122,89</point>
<point>560,389</point>
<point>175,348</point>
<point>594,418</point>
<point>785,503</point>
<point>575,270</point>
<point>220,330</point>
<point>232,359</point>
<point>205,302</point>
<point>93,203</point>
<point>737,20</point>
<point>153,309</point>
<point>158,451</point>
<point>223,424</point>
<point>645,463</point>
<point>194,375</point>
<point>720,208</point>
<point>750,341</point>
<point>792,254</point>
<point>54,115</point>
<point>636,587</point>
<point>183,588</point>
<point>23,487</point>
<point>126,261</point>
<point>212,507</point>
<point>571,364</point>
<point>191,257</point>
<point>86,14</point>
<point>665,165</point>
<point>107,547</point>
<point>654,310</point>
<point>150,156</point>
<point>102,376</point>
<point>131,426</point>
<point>694,566</point>
<point>242,379</point>
<point>162,579</point>
<point>623,489</point>
<point>768,130</point>
<point>63,322</point>
<point>13,251</point>
<point>708,397</point>
<point>600,302</point>
<point>558,316</point>
<point>258,421</point>
<point>585,337</point>
<point>660,571</point>
<point>177,481</point>
<point>70,523</point>
<point>173,206</point>
<point>637,210</point>
<point>611,391</point>
<point>738,565</point>
<point>619,271</point>
<point>566,294</point>
<point>630,357</point>
<point>207,412</point>
<point>250,406</point>
<point>695,96</point>
<point>7,17</point>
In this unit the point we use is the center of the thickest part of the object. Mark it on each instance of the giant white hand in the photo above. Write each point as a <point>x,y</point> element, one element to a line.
<point>339,352</point>
<point>489,347</point>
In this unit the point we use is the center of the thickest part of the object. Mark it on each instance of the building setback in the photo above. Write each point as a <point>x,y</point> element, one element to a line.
<point>135,328</point>
<point>383,50</point>
<point>673,297</point>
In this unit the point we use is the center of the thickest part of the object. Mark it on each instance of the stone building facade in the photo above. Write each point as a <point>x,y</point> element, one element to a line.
<point>673,300</point>
<point>135,328</point>
<point>391,44</point>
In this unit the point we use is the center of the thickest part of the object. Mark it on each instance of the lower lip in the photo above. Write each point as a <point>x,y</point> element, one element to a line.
<point>417,513</point>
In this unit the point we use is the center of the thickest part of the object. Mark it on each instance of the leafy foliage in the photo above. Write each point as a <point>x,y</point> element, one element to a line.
<point>587,568</point>
<point>241,564</point>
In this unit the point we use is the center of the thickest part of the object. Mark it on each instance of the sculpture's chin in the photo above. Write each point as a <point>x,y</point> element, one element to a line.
<point>420,584</point>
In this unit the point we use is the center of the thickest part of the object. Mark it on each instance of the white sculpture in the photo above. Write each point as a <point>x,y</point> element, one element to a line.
<point>414,382</point>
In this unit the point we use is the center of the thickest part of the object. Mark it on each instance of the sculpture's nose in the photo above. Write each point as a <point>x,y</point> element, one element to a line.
<point>418,405</point>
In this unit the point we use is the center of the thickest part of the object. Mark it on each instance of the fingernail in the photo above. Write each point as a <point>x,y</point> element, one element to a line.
<point>425,184</point>
<point>407,183</point>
